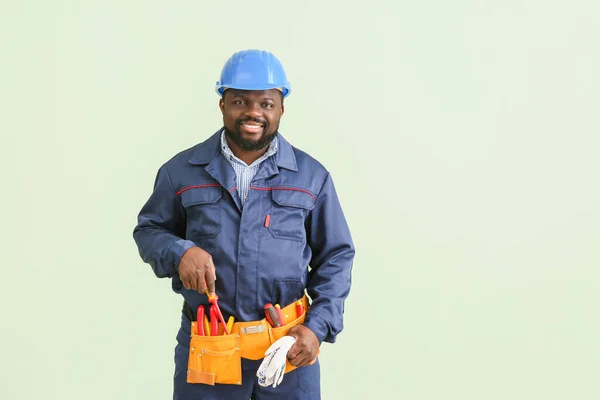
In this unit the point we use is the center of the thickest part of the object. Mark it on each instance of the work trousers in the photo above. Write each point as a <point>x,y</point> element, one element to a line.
<point>300,384</point>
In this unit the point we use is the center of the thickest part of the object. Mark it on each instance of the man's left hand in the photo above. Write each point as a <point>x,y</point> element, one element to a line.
<point>306,347</point>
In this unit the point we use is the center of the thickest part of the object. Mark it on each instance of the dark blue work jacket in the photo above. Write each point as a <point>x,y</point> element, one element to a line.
<point>290,235</point>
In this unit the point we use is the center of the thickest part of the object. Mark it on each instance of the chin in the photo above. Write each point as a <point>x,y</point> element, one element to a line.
<point>250,142</point>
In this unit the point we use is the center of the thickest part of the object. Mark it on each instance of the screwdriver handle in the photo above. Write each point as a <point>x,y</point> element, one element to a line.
<point>299,308</point>
<point>272,315</point>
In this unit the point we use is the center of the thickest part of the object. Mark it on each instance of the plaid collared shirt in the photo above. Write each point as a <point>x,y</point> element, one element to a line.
<point>245,173</point>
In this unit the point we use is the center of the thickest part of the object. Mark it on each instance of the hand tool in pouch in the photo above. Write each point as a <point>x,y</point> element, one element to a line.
<point>272,315</point>
<point>206,326</point>
<point>214,321</point>
<point>213,299</point>
<point>280,313</point>
<point>299,308</point>
<point>200,320</point>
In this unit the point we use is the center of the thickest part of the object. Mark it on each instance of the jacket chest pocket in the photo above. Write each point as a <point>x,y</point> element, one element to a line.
<point>289,209</point>
<point>203,210</point>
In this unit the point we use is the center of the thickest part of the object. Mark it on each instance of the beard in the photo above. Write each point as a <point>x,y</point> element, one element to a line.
<point>248,144</point>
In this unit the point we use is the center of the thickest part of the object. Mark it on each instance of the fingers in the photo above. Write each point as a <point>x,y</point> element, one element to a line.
<point>210,275</point>
<point>197,271</point>
<point>299,355</point>
<point>192,282</point>
<point>189,282</point>
<point>199,279</point>
<point>278,376</point>
<point>305,361</point>
<point>294,351</point>
<point>296,348</point>
<point>301,359</point>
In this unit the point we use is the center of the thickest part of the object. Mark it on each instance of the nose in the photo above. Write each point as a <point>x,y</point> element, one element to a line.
<point>254,110</point>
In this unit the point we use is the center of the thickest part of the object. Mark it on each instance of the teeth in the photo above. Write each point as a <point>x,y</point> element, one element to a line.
<point>252,126</point>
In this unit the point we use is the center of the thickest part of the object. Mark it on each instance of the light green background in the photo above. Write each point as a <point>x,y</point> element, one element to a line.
<point>462,137</point>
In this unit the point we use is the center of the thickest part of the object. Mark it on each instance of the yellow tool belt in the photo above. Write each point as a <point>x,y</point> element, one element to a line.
<point>218,359</point>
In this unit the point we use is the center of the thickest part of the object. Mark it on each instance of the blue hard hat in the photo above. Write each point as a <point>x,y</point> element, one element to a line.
<point>253,70</point>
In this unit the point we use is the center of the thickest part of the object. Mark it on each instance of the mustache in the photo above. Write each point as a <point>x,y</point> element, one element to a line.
<point>261,121</point>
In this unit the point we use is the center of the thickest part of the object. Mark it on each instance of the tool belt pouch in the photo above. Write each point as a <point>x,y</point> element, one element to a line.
<point>214,359</point>
<point>218,359</point>
<point>257,336</point>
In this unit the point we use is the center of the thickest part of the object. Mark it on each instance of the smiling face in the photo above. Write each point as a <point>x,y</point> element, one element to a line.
<point>251,117</point>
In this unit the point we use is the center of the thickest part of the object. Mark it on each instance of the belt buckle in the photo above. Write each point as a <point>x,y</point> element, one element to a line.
<point>247,330</point>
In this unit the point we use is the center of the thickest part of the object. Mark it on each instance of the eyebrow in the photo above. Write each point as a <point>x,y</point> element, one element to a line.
<point>236,93</point>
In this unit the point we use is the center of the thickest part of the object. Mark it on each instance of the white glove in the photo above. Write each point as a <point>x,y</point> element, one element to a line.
<point>272,368</point>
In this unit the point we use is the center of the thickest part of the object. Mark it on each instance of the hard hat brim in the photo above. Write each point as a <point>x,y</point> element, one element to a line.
<point>220,89</point>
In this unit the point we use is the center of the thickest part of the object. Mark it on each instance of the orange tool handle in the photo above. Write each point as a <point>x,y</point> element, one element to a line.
<point>213,299</point>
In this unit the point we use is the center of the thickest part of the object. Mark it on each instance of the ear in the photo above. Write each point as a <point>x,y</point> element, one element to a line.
<point>222,105</point>
<point>282,110</point>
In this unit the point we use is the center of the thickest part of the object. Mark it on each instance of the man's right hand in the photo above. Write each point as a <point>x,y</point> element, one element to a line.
<point>197,270</point>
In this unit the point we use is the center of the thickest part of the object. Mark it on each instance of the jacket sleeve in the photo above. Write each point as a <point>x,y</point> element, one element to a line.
<point>331,264</point>
<point>160,231</point>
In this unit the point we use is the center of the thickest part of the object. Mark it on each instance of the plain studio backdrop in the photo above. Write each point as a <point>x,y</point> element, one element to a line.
<point>463,139</point>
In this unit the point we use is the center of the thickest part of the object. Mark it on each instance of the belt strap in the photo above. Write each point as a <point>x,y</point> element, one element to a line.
<point>188,312</point>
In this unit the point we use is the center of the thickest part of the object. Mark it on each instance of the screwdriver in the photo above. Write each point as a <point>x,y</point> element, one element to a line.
<point>230,323</point>
<point>206,326</point>
<point>299,308</point>
<point>272,315</point>
<point>278,309</point>
<point>213,299</point>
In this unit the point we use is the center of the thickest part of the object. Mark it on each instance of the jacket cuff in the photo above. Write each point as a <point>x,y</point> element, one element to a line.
<point>176,251</point>
<point>318,325</point>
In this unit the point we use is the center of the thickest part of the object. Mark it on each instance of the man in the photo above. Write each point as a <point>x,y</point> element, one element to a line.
<point>251,219</point>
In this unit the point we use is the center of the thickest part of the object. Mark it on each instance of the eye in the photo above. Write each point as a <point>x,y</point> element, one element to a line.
<point>268,105</point>
<point>239,102</point>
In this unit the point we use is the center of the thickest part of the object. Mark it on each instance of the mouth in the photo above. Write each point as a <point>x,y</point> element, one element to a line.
<point>252,127</point>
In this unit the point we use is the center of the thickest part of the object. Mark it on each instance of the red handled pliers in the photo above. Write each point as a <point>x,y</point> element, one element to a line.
<point>213,300</point>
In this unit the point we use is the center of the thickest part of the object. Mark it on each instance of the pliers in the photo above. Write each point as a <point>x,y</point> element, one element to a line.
<point>215,306</point>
